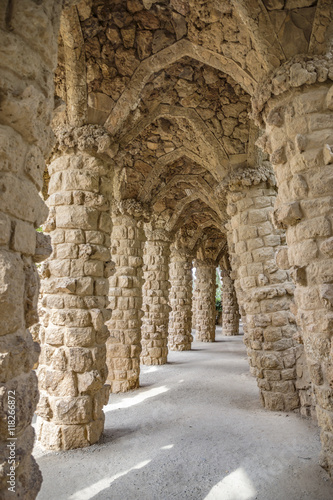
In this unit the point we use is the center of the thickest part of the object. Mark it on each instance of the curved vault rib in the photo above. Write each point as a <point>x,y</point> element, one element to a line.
<point>200,231</point>
<point>218,161</point>
<point>183,48</point>
<point>323,18</point>
<point>152,179</point>
<point>261,31</point>
<point>75,67</point>
<point>196,182</point>
<point>181,206</point>
<point>223,250</point>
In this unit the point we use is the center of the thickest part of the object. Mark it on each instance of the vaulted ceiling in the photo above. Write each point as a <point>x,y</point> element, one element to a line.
<point>171,80</point>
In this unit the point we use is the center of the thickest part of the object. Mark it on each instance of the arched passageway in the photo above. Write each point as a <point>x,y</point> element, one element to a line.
<point>138,137</point>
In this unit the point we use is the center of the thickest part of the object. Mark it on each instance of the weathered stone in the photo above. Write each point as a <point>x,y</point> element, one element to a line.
<point>205,303</point>
<point>230,312</point>
<point>78,332</point>
<point>180,298</point>
<point>125,294</point>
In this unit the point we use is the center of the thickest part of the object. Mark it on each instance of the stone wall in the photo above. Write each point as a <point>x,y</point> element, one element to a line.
<point>155,291</point>
<point>125,293</point>
<point>264,291</point>
<point>230,311</point>
<point>27,62</point>
<point>205,300</point>
<point>180,321</point>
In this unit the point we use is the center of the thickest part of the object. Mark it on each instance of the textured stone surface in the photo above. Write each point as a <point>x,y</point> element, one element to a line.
<point>230,312</point>
<point>74,296</point>
<point>205,300</point>
<point>264,291</point>
<point>163,89</point>
<point>27,62</point>
<point>125,293</point>
<point>180,321</point>
<point>155,291</point>
<point>305,179</point>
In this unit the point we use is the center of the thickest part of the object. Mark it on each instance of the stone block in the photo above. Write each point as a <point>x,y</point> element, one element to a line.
<point>319,226</point>
<point>5,229</point>
<point>78,179</point>
<point>76,216</point>
<point>54,335</point>
<point>24,238</point>
<point>56,382</point>
<point>74,436</point>
<point>66,251</point>
<point>49,434</point>
<point>11,292</point>
<point>78,337</point>
<point>67,410</point>
<point>80,359</point>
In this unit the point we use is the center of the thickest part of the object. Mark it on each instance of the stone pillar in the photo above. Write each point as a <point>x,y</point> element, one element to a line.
<point>264,292</point>
<point>72,368</point>
<point>194,301</point>
<point>299,140</point>
<point>124,344</point>
<point>180,321</point>
<point>155,291</point>
<point>205,303</point>
<point>230,311</point>
<point>27,63</point>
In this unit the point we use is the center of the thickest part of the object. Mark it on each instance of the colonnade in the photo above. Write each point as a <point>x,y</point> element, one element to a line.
<point>104,294</point>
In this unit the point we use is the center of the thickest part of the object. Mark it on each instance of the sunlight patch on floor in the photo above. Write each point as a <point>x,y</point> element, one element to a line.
<point>235,486</point>
<point>103,484</point>
<point>148,369</point>
<point>135,400</point>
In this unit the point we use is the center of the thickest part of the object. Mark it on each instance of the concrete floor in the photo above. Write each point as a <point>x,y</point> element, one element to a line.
<point>195,430</point>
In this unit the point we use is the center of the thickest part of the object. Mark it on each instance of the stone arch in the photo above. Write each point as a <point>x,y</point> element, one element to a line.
<point>75,67</point>
<point>181,207</point>
<point>165,57</point>
<point>162,163</point>
<point>196,182</point>
<point>218,159</point>
<point>199,232</point>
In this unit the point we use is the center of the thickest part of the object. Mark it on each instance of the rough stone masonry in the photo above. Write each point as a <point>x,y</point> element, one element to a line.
<point>146,138</point>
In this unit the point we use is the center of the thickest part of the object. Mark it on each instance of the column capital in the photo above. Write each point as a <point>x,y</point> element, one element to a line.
<point>298,71</point>
<point>156,234</point>
<point>245,176</point>
<point>132,208</point>
<point>93,139</point>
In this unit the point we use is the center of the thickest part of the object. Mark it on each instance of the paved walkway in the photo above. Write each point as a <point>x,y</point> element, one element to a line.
<point>195,430</point>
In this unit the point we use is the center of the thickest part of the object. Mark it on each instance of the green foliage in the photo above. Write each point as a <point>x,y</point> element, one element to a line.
<point>218,304</point>
<point>39,229</point>
<point>219,286</point>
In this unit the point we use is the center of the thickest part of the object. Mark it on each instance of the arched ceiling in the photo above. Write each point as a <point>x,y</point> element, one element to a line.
<point>171,80</point>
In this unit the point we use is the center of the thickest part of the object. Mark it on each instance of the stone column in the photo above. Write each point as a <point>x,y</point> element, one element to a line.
<point>154,330</point>
<point>124,344</point>
<point>264,292</point>
<point>72,368</point>
<point>299,139</point>
<point>205,291</point>
<point>27,63</point>
<point>230,311</point>
<point>180,321</point>
<point>194,302</point>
